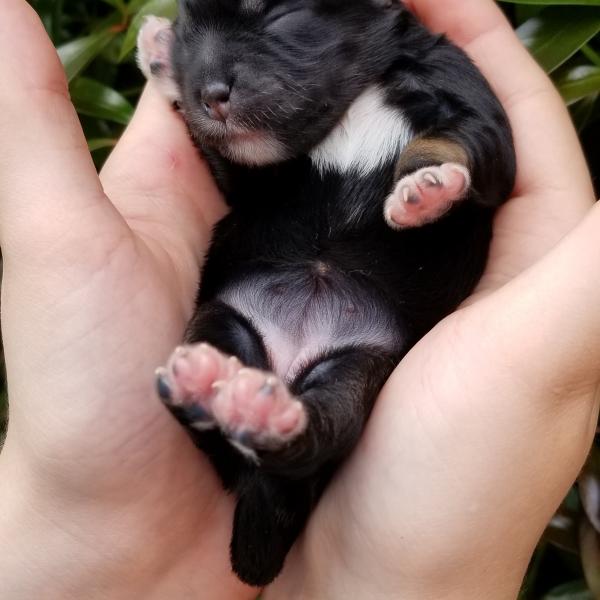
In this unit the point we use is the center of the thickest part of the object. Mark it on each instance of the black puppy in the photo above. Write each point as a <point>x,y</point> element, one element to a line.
<point>363,158</point>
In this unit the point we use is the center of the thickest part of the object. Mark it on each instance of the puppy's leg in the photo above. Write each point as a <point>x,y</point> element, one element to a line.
<point>154,56</point>
<point>337,392</point>
<point>269,516</point>
<point>289,439</point>
<point>431,176</point>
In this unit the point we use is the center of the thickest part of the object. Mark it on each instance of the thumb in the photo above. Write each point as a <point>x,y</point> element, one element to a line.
<point>49,189</point>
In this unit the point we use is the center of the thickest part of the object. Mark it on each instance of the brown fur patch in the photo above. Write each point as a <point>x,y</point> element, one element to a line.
<point>423,152</point>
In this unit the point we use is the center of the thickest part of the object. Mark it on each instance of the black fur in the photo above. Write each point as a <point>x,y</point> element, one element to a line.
<point>301,246</point>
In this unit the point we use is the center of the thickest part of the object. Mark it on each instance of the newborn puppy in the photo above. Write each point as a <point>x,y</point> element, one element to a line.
<point>362,158</point>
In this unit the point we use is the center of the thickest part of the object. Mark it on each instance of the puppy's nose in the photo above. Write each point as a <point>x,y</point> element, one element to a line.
<point>215,98</point>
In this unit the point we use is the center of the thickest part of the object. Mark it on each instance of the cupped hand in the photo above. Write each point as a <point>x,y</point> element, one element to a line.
<point>484,425</point>
<point>472,443</point>
<point>102,493</point>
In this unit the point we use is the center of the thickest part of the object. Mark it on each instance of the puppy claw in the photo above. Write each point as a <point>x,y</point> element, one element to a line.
<point>162,386</point>
<point>203,425</point>
<point>268,389</point>
<point>197,413</point>
<point>156,68</point>
<point>431,178</point>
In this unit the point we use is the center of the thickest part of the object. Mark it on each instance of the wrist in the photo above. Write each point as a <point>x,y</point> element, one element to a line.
<point>48,553</point>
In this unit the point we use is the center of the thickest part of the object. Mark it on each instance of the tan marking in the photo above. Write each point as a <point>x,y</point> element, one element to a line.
<point>435,151</point>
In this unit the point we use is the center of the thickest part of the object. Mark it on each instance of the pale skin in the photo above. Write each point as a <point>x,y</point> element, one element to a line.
<point>472,444</point>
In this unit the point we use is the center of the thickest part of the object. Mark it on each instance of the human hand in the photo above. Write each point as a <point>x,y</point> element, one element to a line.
<point>485,424</point>
<point>103,495</point>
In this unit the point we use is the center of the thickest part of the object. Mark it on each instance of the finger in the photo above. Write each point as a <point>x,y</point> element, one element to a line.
<point>158,181</point>
<point>547,320</point>
<point>48,184</point>
<point>548,151</point>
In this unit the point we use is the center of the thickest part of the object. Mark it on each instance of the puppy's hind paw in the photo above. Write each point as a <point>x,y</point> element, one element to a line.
<point>205,389</point>
<point>256,411</point>
<point>191,381</point>
<point>425,195</point>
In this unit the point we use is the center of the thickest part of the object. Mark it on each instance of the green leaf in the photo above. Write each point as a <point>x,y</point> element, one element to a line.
<point>159,8</point>
<point>591,55</point>
<point>118,4</point>
<point>562,531</point>
<point>135,5</point>
<point>582,111</point>
<point>57,14</point>
<point>590,555</point>
<point>524,12</point>
<point>589,487</point>
<point>97,100</point>
<point>79,53</point>
<point>533,571</point>
<point>559,32</point>
<point>574,590</point>
<point>578,82</point>
<point>101,143</point>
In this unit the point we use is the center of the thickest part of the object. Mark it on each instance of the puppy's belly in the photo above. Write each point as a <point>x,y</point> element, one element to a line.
<point>306,312</point>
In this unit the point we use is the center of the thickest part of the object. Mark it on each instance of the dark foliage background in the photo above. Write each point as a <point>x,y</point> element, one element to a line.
<point>96,39</point>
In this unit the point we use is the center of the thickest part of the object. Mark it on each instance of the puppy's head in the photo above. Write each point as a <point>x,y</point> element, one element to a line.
<point>266,80</point>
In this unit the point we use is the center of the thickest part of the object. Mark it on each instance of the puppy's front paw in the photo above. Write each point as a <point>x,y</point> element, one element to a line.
<point>154,55</point>
<point>254,410</point>
<point>425,195</point>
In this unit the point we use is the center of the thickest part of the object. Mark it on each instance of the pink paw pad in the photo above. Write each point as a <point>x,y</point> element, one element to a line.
<point>191,380</point>
<point>154,55</point>
<point>425,195</point>
<point>256,409</point>
<point>253,409</point>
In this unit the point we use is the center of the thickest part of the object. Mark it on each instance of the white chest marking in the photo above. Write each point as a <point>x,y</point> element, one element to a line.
<point>369,135</point>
